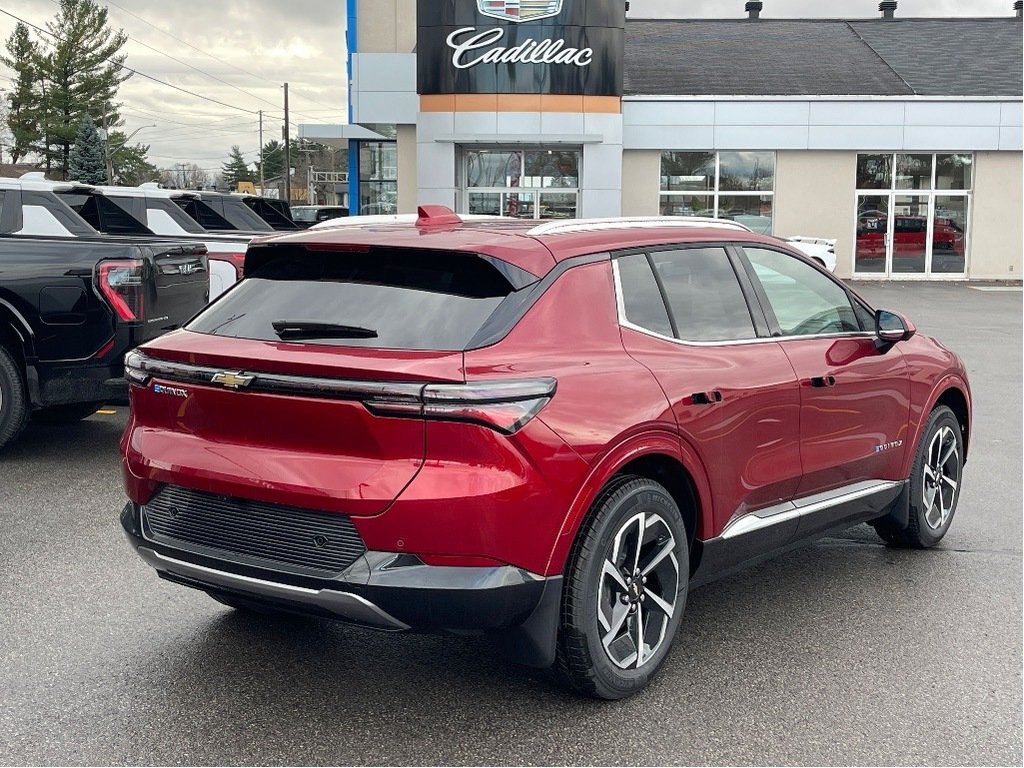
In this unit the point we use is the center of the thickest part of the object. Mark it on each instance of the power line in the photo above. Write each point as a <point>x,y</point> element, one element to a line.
<point>260,77</point>
<point>137,72</point>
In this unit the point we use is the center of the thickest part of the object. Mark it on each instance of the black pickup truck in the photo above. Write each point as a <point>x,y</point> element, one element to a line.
<point>72,307</point>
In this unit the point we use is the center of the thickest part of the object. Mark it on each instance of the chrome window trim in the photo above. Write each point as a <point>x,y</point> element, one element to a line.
<point>809,505</point>
<point>620,301</point>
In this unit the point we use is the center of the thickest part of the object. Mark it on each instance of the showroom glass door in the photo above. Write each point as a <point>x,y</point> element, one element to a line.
<point>912,215</point>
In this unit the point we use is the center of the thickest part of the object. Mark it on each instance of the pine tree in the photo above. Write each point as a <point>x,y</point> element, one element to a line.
<point>85,162</point>
<point>81,74</point>
<point>130,163</point>
<point>236,169</point>
<point>24,113</point>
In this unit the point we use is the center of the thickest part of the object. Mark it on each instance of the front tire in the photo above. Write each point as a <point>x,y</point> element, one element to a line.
<point>625,590</point>
<point>934,485</point>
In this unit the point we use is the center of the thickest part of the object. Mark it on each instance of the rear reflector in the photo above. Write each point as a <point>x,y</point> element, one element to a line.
<point>121,283</point>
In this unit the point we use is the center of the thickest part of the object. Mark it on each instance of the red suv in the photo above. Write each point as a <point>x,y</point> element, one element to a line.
<point>547,433</point>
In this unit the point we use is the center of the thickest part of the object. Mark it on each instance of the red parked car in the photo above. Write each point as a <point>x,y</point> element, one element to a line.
<point>548,433</point>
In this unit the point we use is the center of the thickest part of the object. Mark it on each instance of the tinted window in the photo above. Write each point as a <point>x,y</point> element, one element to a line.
<point>641,296</point>
<point>805,301</point>
<point>242,217</point>
<point>203,214</point>
<point>104,214</point>
<point>411,299</point>
<point>704,295</point>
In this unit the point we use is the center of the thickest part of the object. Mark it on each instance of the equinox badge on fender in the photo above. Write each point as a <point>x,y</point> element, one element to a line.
<point>230,380</point>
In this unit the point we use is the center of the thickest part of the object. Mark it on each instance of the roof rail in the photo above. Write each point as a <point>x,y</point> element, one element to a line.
<point>634,222</point>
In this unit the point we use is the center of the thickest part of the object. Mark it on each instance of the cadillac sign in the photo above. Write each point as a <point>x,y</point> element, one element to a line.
<point>571,47</point>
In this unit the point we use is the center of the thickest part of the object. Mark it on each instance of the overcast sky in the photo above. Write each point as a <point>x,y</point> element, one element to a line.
<point>262,43</point>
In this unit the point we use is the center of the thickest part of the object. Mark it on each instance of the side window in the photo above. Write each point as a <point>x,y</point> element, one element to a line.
<point>805,302</point>
<point>641,296</point>
<point>704,295</point>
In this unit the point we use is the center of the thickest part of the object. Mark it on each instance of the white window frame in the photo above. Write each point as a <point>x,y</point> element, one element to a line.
<point>931,194</point>
<point>536,192</point>
<point>717,193</point>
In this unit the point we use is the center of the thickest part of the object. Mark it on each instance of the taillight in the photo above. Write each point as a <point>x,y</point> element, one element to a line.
<point>237,260</point>
<point>506,406</point>
<point>122,284</point>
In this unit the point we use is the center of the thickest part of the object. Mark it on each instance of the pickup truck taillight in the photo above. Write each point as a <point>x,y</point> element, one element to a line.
<point>122,284</point>
<point>237,260</point>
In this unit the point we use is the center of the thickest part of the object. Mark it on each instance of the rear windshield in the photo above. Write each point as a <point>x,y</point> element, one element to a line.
<point>393,298</point>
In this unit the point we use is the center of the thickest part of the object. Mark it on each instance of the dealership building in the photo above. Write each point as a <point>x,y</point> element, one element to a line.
<point>900,138</point>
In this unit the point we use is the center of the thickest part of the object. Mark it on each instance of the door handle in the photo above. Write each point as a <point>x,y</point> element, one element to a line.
<point>707,398</point>
<point>823,381</point>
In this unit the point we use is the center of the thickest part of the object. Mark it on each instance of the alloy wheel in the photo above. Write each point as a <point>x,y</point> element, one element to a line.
<point>941,478</point>
<point>639,588</point>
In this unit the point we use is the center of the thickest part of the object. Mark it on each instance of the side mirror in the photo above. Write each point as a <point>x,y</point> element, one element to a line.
<point>892,327</point>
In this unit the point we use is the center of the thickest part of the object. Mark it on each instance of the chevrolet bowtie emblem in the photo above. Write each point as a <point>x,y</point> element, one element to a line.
<point>230,380</point>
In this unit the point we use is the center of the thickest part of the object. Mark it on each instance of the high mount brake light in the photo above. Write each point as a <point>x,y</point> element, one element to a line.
<point>506,406</point>
<point>121,283</point>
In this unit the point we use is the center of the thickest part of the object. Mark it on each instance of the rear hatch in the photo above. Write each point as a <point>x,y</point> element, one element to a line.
<point>304,385</point>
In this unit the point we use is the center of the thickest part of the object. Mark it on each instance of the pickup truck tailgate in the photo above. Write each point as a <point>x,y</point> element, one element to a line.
<point>177,287</point>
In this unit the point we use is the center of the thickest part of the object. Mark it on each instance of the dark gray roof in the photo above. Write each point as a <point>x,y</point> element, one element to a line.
<point>826,57</point>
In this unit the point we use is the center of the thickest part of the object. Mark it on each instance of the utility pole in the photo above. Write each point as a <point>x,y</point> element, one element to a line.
<point>106,146</point>
<point>287,152</point>
<point>262,184</point>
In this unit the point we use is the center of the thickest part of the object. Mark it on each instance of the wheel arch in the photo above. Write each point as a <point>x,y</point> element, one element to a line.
<point>660,456</point>
<point>954,398</point>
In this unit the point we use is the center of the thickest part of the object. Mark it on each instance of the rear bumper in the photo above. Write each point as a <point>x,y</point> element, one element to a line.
<point>381,590</point>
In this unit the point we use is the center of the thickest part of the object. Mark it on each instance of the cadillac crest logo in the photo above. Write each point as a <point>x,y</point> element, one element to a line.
<point>520,10</point>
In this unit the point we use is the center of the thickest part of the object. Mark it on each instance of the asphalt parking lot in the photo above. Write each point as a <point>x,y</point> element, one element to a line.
<point>846,652</point>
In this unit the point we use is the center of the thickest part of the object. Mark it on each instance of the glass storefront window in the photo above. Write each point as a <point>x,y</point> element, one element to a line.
<point>551,168</point>
<point>746,171</point>
<point>534,183</point>
<point>688,205</point>
<point>954,171</point>
<point>688,172</point>
<point>913,171</point>
<point>378,177</point>
<point>874,171</point>
<point>924,232</point>
<point>949,242</point>
<point>752,211</point>
<point>727,185</point>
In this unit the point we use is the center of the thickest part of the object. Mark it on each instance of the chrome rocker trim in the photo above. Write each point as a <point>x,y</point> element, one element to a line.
<point>790,510</point>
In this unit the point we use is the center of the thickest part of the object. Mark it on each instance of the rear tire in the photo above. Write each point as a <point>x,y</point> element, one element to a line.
<point>625,590</point>
<point>934,485</point>
<point>65,414</point>
<point>14,406</point>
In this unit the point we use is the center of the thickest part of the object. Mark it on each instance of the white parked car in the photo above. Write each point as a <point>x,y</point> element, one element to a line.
<point>820,250</point>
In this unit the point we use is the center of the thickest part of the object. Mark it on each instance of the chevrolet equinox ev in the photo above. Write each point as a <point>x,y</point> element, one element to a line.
<point>545,432</point>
